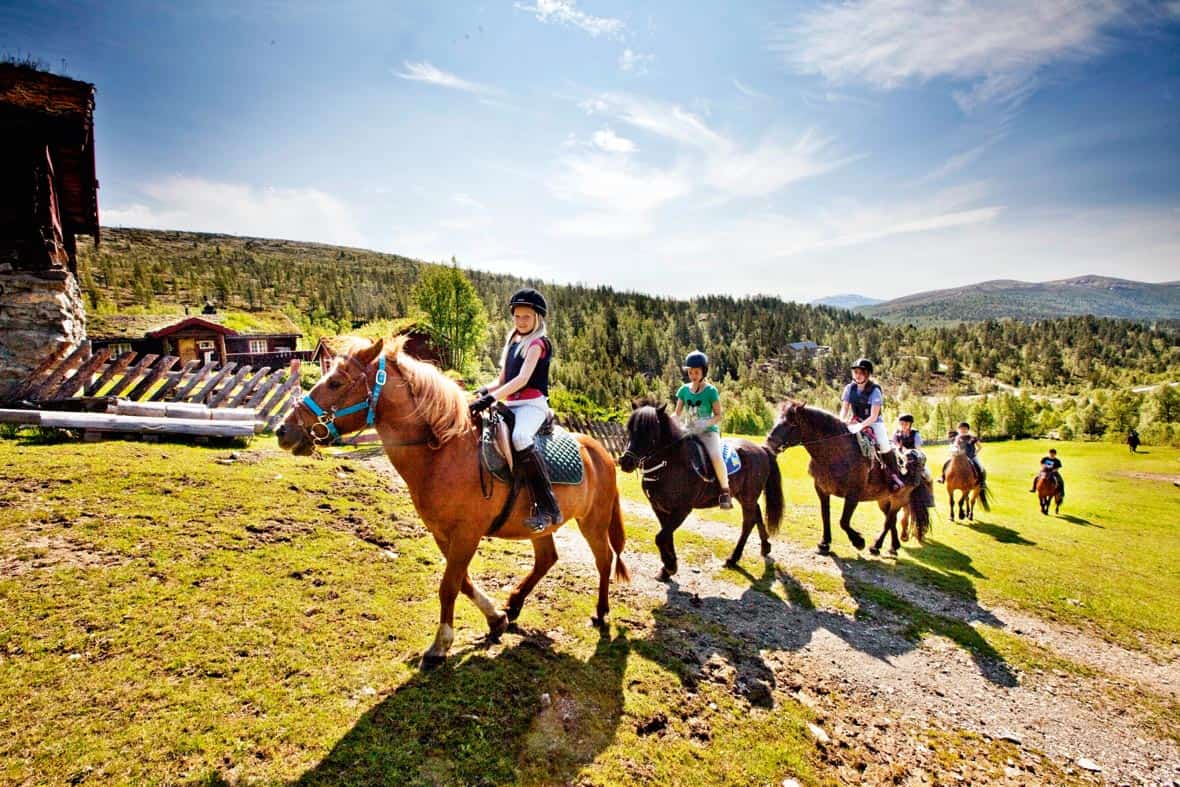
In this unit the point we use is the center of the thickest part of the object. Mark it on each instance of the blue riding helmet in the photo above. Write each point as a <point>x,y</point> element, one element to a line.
<point>696,360</point>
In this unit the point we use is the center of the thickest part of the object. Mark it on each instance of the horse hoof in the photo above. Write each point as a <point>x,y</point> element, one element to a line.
<point>598,622</point>
<point>857,541</point>
<point>766,550</point>
<point>874,551</point>
<point>664,575</point>
<point>513,612</point>
<point>497,627</point>
<point>892,552</point>
<point>431,661</point>
<point>824,548</point>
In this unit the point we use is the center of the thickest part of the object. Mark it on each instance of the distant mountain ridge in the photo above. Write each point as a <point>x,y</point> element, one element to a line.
<point>1101,296</point>
<point>849,300</point>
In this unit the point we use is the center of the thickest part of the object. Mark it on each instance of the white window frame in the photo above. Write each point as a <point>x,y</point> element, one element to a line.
<point>120,348</point>
<point>258,346</point>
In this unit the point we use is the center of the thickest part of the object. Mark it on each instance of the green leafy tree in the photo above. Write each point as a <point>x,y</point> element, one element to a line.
<point>454,313</point>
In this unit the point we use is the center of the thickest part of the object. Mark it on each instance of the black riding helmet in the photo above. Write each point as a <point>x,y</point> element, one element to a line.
<point>906,417</point>
<point>696,360</point>
<point>527,296</point>
<point>863,363</point>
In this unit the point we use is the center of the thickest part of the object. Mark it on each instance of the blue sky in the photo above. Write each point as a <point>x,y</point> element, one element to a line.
<point>795,149</point>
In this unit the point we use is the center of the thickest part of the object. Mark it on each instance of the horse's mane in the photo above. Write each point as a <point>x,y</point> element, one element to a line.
<point>438,399</point>
<point>647,416</point>
<point>828,424</point>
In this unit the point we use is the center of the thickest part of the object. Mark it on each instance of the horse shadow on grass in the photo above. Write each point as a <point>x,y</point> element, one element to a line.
<point>777,612</point>
<point>1077,520</point>
<point>1005,535</point>
<point>488,718</point>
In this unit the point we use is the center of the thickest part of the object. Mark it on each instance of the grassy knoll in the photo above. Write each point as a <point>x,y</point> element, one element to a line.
<point>171,616</point>
<point>1108,562</point>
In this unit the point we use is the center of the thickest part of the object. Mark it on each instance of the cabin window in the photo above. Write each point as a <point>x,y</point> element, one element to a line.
<point>205,344</point>
<point>120,348</point>
<point>257,346</point>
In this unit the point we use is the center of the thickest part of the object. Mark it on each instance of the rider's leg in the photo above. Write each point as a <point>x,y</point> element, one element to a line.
<point>945,465</point>
<point>529,417</point>
<point>712,442</point>
<point>1034,484</point>
<point>1060,484</point>
<point>888,456</point>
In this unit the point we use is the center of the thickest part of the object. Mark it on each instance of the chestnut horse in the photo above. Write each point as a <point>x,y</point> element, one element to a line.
<point>1048,490</point>
<point>659,448</point>
<point>428,434</point>
<point>840,469</point>
<point>962,478</point>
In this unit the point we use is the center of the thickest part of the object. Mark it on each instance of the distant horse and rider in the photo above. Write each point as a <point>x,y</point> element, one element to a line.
<point>963,473</point>
<point>1048,484</point>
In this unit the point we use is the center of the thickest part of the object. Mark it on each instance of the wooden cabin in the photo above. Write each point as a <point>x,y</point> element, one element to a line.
<point>246,338</point>
<point>418,342</point>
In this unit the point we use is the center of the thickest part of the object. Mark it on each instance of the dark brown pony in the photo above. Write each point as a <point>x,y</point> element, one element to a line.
<point>659,448</point>
<point>1048,490</point>
<point>428,435</point>
<point>841,470</point>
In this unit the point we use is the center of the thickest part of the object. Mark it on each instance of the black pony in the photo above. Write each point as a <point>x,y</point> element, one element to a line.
<point>663,452</point>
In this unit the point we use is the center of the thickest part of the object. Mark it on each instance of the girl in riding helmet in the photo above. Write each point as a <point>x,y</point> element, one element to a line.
<point>704,414</point>
<point>861,409</point>
<point>523,385</point>
<point>906,437</point>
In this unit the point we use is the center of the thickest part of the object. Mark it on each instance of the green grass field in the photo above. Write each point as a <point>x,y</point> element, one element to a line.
<point>1107,563</point>
<point>174,616</point>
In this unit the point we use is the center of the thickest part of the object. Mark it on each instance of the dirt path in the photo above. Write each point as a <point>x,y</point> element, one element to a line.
<point>888,707</point>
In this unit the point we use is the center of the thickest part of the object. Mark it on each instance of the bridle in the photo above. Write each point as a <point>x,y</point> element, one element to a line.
<point>641,461</point>
<point>324,431</point>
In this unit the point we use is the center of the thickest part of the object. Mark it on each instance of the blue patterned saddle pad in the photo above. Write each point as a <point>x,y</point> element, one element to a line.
<point>560,451</point>
<point>702,465</point>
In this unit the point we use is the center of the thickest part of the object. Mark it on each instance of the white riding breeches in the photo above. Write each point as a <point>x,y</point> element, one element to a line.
<point>530,414</point>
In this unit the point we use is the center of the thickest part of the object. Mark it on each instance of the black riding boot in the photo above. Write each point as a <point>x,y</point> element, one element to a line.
<point>892,470</point>
<point>1060,485</point>
<point>945,465</point>
<point>546,512</point>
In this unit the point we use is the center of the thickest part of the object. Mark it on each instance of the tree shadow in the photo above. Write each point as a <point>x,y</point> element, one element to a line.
<point>487,719</point>
<point>1005,535</point>
<point>1077,520</point>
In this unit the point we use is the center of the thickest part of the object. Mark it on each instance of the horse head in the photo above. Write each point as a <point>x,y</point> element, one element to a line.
<point>646,432</point>
<point>787,429</point>
<point>342,402</point>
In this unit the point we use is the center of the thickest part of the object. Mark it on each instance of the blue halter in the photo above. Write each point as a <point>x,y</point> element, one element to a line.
<point>327,418</point>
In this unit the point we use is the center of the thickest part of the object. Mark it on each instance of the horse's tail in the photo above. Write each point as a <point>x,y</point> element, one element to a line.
<point>774,493</point>
<point>984,492</point>
<point>617,538</point>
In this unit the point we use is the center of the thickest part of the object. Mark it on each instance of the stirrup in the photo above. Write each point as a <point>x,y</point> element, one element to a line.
<point>539,521</point>
<point>725,501</point>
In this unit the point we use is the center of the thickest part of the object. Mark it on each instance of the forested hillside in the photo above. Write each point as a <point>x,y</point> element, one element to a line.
<point>1096,295</point>
<point>615,345</point>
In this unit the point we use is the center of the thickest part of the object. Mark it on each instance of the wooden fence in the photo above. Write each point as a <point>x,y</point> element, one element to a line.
<point>611,434</point>
<point>80,375</point>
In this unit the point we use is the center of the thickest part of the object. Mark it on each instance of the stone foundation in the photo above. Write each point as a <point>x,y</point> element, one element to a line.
<point>38,313</point>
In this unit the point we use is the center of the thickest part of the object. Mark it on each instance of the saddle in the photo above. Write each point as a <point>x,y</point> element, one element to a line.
<point>699,459</point>
<point>559,450</point>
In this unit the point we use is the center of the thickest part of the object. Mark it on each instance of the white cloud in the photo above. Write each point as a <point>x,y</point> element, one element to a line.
<point>746,90</point>
<point>614,184</point>
<point>566,12</point>
<point>607,140</point>
<point>635,62</point>
<point>425,72</point>
<point>996,47</point>
<point>960,161</point>
<point>192,203</point>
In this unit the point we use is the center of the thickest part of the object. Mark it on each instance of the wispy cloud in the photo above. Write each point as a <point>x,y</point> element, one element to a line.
<point>607,140</point>
<point>746,90</point>
<point>996,47</point>
<point>202,205</point>
<point>431,75</point>
<point>722,163</point>
<point>566,12</point>
<point>959,161</point>
<point>635,62</point>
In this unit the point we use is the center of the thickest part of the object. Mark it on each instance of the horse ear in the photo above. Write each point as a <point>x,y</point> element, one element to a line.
<point>663,408</point>
<point>634,404</point>
<point>367,355</point>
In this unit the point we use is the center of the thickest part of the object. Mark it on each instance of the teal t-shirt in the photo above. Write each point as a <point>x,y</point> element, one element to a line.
<point>700,404</point>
